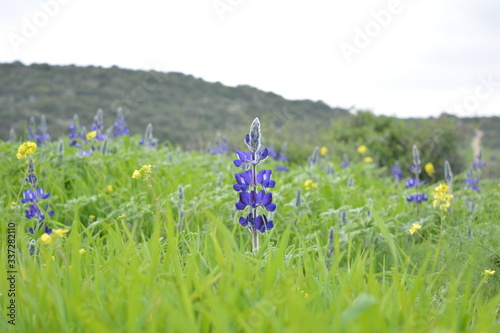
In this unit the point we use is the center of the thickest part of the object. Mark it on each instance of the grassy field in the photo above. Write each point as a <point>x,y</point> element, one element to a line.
<point>125,267</point>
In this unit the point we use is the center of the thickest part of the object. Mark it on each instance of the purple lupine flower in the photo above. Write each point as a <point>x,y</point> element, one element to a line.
<point>280,157</point>
<point>45,227</point>
<point>472,181</point>
<point>345,161</point>
<point>34,196</point>
<point>264,179</point>
<point>260,223</point>
<point>314,158</point>
<point>478,164</point>
<point>282,154</point>
<point>415,168</point>
<point>39,134</point>
<point>98,126</point>
<point>282,168</point>
<point>247,184</point>
<point>120,126</point>
<point>272,152</point>
<point>256,199</point>
<point>243,180</point>
<point>397,172</point>
<point>418,198</point>
<point>246,159</point>
<point>74,129</point>
<point>412,182</point>
<point>86,152</point>
<point>148,140</point>
<point>221,145</point>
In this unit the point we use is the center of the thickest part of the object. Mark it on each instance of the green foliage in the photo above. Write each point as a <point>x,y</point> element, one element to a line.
<point>139,274</point>
<point>390,139</point>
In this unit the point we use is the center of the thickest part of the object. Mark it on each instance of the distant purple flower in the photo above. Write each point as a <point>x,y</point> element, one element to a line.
<point>282,168</point>
<point>120,126</point>
<point>148,140</point>
<point>412,182</point>
<point>478,164</point>
<point>472,184</point>
<point>75,143</point>
<point>415,168</point>
<point>86,152</point>
<point>39,134</point>
<point>418,198</point>
<point>397,172</point>
<point>221,145</point>
<point>471,181</point>
<point>272,152</point>
<point>345,161</point>
<point>74,130</point>
<point>34,196</point>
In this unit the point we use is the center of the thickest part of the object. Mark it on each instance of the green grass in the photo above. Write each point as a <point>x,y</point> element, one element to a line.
<point>139,274</point>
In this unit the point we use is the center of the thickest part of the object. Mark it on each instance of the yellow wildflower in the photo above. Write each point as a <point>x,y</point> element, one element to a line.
<point>46,239</point>
<point>414,228</point>
<point>91,135</point>
<point>53,258</point>
<point>362,149</point>
<point>368,159</point>
<point>429,169</point>
<point>109,188</point>
<point>121,217</point>
<point>144,171</point>
<point>310,184</point>
<point>26,149</point>
<point>488,272</point>
<point>442,197</point>
<point>306,295</point>
<point>60,232</point>
<point>323,151</point>
<point>81,251</point>
<point>92,217</point>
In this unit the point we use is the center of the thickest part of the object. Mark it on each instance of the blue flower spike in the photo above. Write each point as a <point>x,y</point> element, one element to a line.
<point>249,182</point>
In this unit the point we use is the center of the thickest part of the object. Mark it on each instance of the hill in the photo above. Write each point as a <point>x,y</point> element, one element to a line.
<point>183,109</point>
<point>190,112</point>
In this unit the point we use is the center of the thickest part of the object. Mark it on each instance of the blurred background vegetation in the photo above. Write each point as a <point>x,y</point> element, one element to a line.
<point>190,112</point>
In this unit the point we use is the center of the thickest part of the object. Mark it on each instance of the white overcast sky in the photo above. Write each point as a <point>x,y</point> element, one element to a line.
<point>427,57</point>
